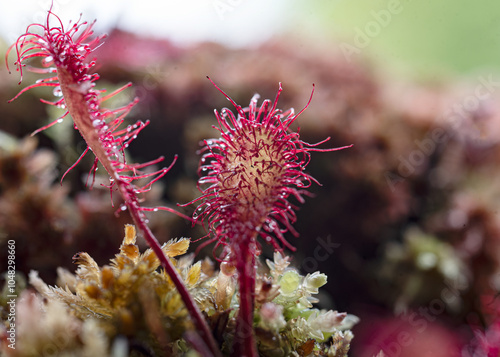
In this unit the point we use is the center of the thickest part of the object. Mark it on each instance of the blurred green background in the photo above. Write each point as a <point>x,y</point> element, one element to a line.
<point>419,38</point>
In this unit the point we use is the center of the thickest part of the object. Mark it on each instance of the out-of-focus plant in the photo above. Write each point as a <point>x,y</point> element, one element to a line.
<point>247,176</point>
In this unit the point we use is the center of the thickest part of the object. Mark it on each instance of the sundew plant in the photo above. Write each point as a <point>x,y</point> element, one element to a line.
<point>247,177</point>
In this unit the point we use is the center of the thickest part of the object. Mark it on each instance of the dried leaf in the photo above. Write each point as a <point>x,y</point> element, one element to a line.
<point>130,235</point>
<point>150,259</point>
<point>93,291</point>
<point>176,247</point>
<point>306,348</point>
<point>130,251</point>
<point>87,267</point>
<point>107,277</point>
<point>193,274</point>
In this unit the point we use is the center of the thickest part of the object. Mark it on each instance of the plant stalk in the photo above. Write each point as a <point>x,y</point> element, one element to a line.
<point>244,340</point>
<point>76,104</point>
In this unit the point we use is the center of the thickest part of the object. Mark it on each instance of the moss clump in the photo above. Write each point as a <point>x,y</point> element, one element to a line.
<point>132,305</point>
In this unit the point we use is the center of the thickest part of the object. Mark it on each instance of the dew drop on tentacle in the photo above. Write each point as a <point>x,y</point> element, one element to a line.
<point>57,92</point>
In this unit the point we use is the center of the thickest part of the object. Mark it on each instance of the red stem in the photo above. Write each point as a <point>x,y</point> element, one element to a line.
<point>196,316</point>
<point>244,340</point>
<point>77,107</point>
